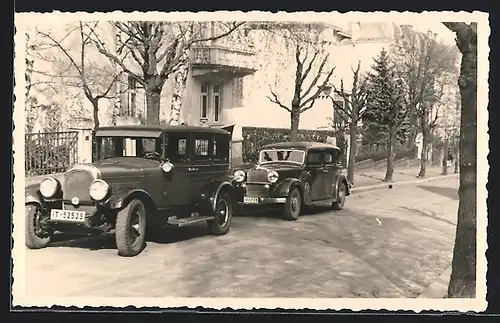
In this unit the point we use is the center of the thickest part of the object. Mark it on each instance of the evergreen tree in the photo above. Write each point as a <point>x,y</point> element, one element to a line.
<point>386,113</point>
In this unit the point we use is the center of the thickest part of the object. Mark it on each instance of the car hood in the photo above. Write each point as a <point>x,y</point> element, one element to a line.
<point>122,165</point>
<point>259,173</point>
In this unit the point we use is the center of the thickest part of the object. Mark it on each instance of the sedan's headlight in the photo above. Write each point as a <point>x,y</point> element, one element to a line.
<point>239,175</point>
<point>99,189</point>
<point>272,176</point>
<point>48,187</point>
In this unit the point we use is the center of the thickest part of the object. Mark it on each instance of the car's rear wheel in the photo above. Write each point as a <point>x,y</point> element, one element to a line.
<point>131,229</point>
<point>36,236</point>
<point>341,194</point>
<point>223,215</point>
<point>293,205</point>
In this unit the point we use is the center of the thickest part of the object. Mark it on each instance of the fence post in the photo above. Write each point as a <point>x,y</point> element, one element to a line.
<point>84,144</point>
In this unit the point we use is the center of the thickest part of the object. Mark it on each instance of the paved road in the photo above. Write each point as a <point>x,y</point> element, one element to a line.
<point>380,245</point>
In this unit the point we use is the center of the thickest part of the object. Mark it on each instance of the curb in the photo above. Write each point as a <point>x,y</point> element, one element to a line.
<point>376,187</point>
<point>438,288</point>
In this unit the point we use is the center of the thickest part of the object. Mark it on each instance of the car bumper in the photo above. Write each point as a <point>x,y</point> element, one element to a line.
<point>262,200</point>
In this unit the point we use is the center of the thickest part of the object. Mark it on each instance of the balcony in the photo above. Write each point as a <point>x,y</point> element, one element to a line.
<point>213,59</point>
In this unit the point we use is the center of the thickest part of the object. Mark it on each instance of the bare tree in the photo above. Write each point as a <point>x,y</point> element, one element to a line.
<point>421,61</point>
<point>96,81</point>
<point>160,49</point>
<point>352,112</point>
<point>463,274</point>
<point>304,95</point>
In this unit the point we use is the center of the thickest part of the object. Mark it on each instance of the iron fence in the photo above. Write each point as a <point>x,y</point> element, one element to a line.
<point>50,152</point>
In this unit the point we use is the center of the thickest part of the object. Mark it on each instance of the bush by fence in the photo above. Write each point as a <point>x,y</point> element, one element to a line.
<point>254,138</point>
<point>400,152</point>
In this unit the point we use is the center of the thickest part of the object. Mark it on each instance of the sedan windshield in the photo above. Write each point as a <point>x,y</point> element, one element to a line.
<point>281,155</point>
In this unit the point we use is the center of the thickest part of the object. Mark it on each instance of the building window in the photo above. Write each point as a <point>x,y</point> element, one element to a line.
<point>211,102</point>
<point>216,88</point>
<point>132,96</point>
<point>204,101</point>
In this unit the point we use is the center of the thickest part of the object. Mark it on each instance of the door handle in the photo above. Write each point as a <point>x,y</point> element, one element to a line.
<point>193,169</point>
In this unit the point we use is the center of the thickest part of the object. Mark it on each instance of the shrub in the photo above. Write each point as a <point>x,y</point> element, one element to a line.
<point>254,138</point>
<point>401,152</point>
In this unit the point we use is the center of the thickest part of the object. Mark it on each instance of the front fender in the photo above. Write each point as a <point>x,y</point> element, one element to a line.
<point>210,192</point>
<point>120,199</point>
<point>283,188</point>
<point>32,194</point>
<point>340,179</point>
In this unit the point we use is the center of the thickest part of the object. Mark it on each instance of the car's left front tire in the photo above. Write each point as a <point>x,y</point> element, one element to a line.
<point>130,230</point>
<point>341,194</point>
<point>35,235</point>
<point>223,215</point>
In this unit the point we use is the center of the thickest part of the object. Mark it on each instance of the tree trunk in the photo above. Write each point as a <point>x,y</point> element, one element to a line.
<point>153,105</point>
<point>353,143</point>
<point>412,137</point>
<point>463,275</point>
<point>179,91</point>
<point>456,158</point>
<point>425,138</point>
<point>95,112</point>
<point>445,158</point>
<point>294,125</point>
<point>390,157</point>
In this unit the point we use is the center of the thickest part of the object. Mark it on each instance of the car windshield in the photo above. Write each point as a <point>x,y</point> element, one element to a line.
<point>281,155</point>
<point>109,147</point>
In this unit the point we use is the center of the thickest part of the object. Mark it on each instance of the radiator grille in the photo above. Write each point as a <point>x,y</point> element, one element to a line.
<point>77,183</point>
<point>257,176</point>
<point>256,191</point>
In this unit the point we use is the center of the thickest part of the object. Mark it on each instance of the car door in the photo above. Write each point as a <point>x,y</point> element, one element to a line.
<point>201,170</point>
<point>316,170</point>
<point>331,168</point>
<point>177,181</point>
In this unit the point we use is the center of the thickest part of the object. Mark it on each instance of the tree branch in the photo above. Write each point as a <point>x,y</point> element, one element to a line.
<point>316,78</point>
<point>275,100</point>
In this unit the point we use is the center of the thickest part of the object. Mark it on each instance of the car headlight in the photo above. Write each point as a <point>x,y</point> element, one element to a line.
<point>239,175</point>
<point>272,176</point>
<point>99,189</point>
<point>48,187</point>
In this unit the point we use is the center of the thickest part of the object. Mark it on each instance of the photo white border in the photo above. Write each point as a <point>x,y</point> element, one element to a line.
<point>418,304</point>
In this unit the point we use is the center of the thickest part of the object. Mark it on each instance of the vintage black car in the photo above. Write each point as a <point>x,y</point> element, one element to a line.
<point>144,178</point>
<point>295,174</point>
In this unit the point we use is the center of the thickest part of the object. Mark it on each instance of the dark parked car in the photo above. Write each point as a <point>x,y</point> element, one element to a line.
<point>144,178</point>
<point>295,175</point>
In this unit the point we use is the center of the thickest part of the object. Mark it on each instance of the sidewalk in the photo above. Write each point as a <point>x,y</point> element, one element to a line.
<point>374,177</point>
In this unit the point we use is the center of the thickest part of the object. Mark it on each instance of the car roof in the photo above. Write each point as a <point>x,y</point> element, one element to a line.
<point>306,145</point>
<point>154,129</point>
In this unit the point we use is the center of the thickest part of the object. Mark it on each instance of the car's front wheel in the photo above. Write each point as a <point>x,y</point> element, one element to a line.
<point>341,194</point>
<point>36,236</point>
<point>223,215</point>
<point>131,229</point>
<point>293,205</point>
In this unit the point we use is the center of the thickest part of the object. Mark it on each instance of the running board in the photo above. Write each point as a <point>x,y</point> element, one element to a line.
<point>322,202</point>
<point>189,221</point>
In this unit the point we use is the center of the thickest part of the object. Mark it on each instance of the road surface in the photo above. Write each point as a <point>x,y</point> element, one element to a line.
<point>386,243</point>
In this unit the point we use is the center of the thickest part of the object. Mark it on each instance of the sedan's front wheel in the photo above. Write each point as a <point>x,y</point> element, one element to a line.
<point>293,205</point>
<point>131,229</point>
<point>223,215</point>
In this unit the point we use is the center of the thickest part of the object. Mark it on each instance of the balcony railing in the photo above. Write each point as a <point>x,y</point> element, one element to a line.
<point>231,59</point>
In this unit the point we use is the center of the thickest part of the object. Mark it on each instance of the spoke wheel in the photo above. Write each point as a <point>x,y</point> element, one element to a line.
<point>131,229</point>
<point>36,234</point>
<point>223,215</point>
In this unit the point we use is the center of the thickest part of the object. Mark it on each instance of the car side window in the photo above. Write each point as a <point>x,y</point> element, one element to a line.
<point>176,146</point>
<point>220,148</point>
<point>314,158</point>
<point>201,148</point>
<point>329,157</point>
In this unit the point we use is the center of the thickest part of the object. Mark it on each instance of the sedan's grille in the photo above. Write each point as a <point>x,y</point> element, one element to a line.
<point>77,183</point>
<point>257,176</point>
<point>256,190</point>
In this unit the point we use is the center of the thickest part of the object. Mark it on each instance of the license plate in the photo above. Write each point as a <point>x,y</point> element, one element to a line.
<point>67,216</point>
<point>251,200</point>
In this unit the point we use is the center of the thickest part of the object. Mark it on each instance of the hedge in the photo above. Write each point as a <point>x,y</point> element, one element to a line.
<point>255,137</point>
<point>380,155</point>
